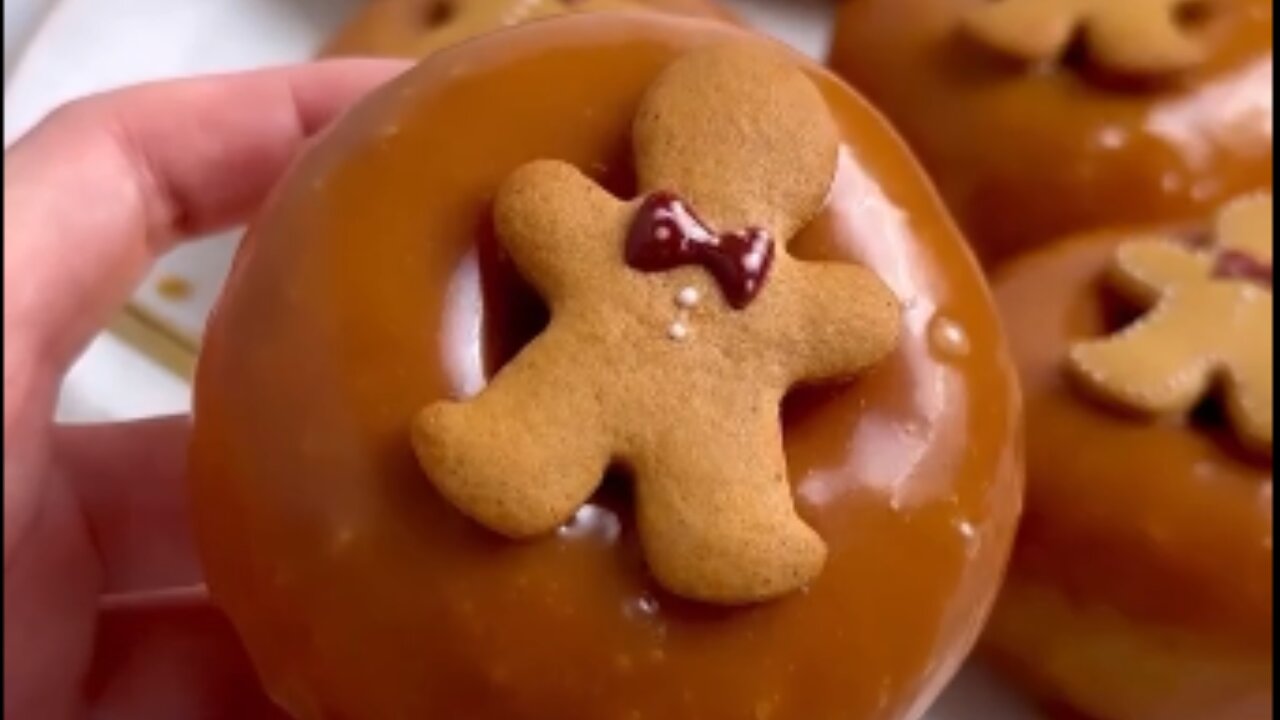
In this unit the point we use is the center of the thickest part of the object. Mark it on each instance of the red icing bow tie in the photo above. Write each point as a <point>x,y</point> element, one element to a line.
<point>1235,265</point>
<point>1232,264</point>
<point>665,234</point>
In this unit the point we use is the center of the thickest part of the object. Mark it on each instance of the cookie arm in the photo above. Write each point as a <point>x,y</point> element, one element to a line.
<point>1026,29</point>
<point>522,456</point>
<point>1251,378</point>
<point>559,227</point>
<point>1157,365</point>
<point>833,320</point>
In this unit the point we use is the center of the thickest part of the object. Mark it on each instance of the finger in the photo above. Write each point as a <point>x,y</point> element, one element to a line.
<point>130,480</point>
<point>179,661</point>
<point>50,592</point>
<point>105,184</point>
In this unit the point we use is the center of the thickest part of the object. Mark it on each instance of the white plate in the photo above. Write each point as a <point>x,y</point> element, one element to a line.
<point>83,46</point>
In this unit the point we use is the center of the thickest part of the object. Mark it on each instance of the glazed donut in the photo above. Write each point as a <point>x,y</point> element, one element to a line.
<point>414,28</point>
<point>373,286</point>
<point>1141,580</point>
<point>1032,131</point>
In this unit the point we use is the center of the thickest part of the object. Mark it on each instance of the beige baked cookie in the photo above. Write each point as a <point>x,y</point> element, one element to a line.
<point>678,323</point>
<point>1208,323</point>
<point>1129,36</point>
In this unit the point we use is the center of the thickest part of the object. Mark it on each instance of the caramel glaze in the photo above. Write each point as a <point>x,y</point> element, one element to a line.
<point>1026,155</point>
<point>1149,538</point>
<point>371,286</point>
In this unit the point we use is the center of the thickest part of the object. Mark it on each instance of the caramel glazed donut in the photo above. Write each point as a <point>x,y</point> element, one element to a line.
<point>380,285</point>
<point>1141,582</point>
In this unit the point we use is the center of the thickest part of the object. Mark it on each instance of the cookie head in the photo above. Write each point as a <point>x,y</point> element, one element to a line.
<point>741,136</point>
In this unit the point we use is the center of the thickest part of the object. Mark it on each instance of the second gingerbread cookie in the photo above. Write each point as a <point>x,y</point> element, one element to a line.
<point>679,321</point>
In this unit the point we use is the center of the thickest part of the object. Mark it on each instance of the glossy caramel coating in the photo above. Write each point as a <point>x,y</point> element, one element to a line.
<point>1023,155</point>
<point>416,28</point>
<point>1141,581</point>
<point>371,286</point>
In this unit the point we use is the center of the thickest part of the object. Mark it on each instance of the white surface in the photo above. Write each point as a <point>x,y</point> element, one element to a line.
<point>113,381</point>
<point>20,19</point>
<point>84,46</point>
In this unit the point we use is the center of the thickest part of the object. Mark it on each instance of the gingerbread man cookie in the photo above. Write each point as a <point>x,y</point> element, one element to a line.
<point>678,323</point>
<point>1128,36</point>
<point>1209,323</point>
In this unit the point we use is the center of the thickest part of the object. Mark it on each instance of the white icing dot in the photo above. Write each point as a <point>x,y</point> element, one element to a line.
<point>677,331</point>
<point>688,297</point>
<point>662,232</point>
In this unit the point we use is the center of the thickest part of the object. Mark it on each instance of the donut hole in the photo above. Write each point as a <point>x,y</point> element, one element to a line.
<point>1191,17</point>
<point>1209,414</point>
<point>513,312</point>
<point>1209,417</point>
<point>438,13</point>
<point>1118,312</point>
<point>803,401</point>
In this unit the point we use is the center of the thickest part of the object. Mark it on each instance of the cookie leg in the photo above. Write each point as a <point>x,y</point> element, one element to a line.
<point>522,456</point>
<point>717,520</point>
<point>1250,380</point>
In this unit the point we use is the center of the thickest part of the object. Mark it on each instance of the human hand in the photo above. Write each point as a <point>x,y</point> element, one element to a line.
<point>91,197</point>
